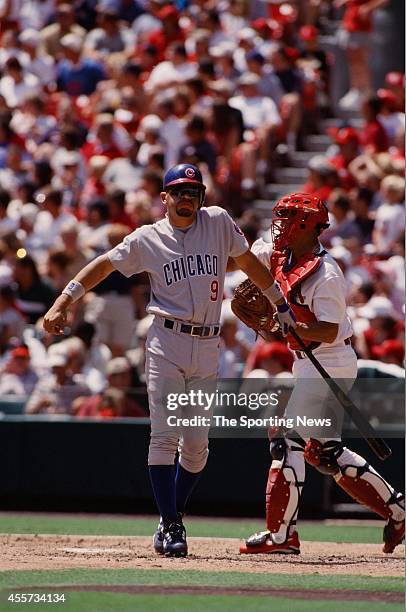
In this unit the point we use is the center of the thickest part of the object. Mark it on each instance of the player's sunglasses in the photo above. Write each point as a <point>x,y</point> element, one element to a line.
<point>185,192</point>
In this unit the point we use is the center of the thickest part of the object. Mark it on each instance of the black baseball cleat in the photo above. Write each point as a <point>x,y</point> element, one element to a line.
<point>174,539</point>
<point>158,539</point>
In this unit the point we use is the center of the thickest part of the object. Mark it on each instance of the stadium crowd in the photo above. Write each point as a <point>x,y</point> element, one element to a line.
<point>98,99</point>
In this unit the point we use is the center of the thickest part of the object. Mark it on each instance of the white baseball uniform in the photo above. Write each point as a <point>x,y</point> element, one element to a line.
<point>186,268</point>
<point>324,293</point>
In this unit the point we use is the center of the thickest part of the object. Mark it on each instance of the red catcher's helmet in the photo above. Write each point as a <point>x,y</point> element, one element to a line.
<point>297,212</point>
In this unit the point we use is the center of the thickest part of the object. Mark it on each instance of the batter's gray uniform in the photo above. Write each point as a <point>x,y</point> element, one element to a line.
<point>186,268</point>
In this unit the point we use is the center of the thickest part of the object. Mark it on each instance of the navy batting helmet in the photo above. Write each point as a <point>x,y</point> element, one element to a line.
<point>184,173</point>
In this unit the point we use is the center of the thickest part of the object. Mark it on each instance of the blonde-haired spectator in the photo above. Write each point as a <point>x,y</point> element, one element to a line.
<point>390,216</point>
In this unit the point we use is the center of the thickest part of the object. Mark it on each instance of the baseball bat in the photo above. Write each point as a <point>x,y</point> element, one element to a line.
<point>378,445</point>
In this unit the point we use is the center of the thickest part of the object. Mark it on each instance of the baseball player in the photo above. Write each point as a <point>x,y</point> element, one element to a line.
<point>314,286</point>
<point>185,255</point>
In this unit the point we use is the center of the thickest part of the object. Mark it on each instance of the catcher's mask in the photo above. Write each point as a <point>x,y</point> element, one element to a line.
<point>297,212</point>
<point>187,175</point>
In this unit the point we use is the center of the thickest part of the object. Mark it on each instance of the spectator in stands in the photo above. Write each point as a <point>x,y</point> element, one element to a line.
<point>97,353</point>
<point>116,207</point>
<point>373,135</point>
<point>38,63</point>
<point>354,35</point>
<point>233,351</point>
<point>7,223</point>
<point>198,144</point>
<point>347,140</point>
<point>78,256</point>
<point>16,85</point>
<point>322,177</point>
<point>17,377</point>
<point>391,351</point>
<point>34,294</point>
<point>269,84</point>
<point>391,119</point>
<point>51,218</point>
<point>11,321</point>
<point>57,268</point>
<point>53,33</point>
<point>55,393</point>
<point>112,309</point>
<point>395,82</point>
<point>390,216</point>
<point>261,118</point>
<point>273,357</point>
<point>116,399</point>
<point>176,69</point>
<point>125,172</point>
<point>363,221</point>
<point>77,74</point>
<point>384,324</point>
<point>110,36</point>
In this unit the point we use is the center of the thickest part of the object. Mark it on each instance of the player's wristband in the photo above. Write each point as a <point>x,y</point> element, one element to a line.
<point>273,293</point>
<point>75,290</point>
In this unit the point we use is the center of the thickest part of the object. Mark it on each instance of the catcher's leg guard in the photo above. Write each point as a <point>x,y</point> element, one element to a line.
<point>284,487</point>
<point>367,487</point>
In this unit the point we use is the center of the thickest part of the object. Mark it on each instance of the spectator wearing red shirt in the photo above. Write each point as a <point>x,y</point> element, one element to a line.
<point>384,324</point>
<point>373,135</point>
<point>170,32</point>
<point>322,179</point>
<point>348,142</point>
<point>116,204</point>
<point>101,141</point>
<point>395,82</point>
<point>354,38</point>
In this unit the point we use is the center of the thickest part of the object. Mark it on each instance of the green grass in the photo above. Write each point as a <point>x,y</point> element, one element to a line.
<point>168,577</point>
<point>54,524</point>
<point>107,602</point>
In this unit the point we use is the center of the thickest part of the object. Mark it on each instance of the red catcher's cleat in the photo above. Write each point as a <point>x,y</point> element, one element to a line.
<point>262,543</point>
<point>393,534</point>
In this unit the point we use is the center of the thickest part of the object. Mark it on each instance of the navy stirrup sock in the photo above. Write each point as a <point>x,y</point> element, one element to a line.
<point>185,483</point>
<point>163,484</point>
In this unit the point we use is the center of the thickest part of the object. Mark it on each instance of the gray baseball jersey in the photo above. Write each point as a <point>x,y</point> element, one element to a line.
<point>186,267</point>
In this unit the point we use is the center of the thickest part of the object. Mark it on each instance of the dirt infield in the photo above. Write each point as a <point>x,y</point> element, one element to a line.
<point>36,552</point>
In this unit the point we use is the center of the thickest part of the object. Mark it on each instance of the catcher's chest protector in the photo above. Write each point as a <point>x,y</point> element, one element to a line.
<point>290,278</point>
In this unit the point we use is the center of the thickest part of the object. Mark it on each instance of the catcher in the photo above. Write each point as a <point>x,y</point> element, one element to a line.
<point>313,284</point>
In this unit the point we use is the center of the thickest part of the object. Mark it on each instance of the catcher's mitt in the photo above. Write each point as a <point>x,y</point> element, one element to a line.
<point>254,309</point>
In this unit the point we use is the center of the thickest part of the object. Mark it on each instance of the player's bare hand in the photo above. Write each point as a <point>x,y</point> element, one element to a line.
<point>55,320</point>
<point>285,317</point>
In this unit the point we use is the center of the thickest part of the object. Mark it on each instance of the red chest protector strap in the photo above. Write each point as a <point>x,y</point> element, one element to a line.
<point>290,278</point>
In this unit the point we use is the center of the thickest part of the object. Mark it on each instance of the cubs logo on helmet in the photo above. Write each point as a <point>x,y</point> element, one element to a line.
<point>185,173</point>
